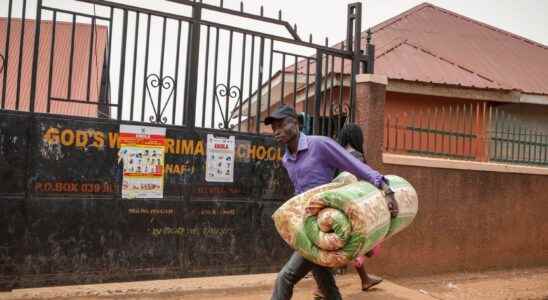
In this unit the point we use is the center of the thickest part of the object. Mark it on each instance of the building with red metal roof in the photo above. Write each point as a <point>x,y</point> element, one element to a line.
<point>434,58</point>
<point>82,71</point>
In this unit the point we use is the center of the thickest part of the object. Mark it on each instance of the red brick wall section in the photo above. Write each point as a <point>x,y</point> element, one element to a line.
<point>370,116</point>
<point>467,221</point>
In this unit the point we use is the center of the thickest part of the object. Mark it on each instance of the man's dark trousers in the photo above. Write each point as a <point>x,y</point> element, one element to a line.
<point>295,269</point>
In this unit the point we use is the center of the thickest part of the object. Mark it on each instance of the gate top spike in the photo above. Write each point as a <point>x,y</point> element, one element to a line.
<point>280,14</point>
<point>241,6</point>
<point>369,36</point>
<point>221,4</point>
<point>310,38</point>
<point>262,11</point>
<point>295,27</point>
<point>326,41</point>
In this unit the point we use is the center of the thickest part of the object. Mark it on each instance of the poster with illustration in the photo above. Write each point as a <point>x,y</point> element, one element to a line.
<point>142,156</point>
<point>220,158</point>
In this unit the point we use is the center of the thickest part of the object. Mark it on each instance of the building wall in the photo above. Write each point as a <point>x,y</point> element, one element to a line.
<point>467,220</point>
<point>440,126</point>
<point>16,86</point>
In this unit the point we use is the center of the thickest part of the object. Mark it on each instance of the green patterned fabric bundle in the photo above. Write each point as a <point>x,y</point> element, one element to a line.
<point>332,224</point>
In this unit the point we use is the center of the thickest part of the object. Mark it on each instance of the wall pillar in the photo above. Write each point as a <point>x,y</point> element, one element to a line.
<point>370,99</point>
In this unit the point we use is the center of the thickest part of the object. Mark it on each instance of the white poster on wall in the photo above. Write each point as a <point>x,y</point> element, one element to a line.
<point>220,158</point>
<point>142,154</point>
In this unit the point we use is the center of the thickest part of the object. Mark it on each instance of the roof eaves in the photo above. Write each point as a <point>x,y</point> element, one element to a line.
<point>449,84</point>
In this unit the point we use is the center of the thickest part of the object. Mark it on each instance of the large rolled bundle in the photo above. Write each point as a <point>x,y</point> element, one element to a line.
<point>332,224</point>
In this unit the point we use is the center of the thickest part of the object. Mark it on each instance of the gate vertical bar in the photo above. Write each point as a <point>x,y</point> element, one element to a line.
<point>214,86</point>
<point>135,48</point>
<point>192,67</point>
<point>35,55</point>
<point>370,48</point>
<point>159,109</point>
<point>355,17</point>
<point>90,57</point>
<point>51,57</point>
<point>176,75</point>
<point>204,100</point>
<point>20,61</point>
<point>71,62</point>
<point>122,68</point>
<point>250,92</point>
<point>226,119</point>
<point>318,91</point>
<point>260,84</point>
<point>6,56</point>
<point>147,40</point>
<point>242,76</point>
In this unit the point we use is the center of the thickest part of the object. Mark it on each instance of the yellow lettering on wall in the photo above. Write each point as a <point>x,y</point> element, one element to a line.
<point>199,149</point>
<point>52,136</point>
<point>176,169</point>
<point>99,139</point>
<point>271,154</point>
<point>261,152</point>
<point>67,137</point>
<point>81,138</point>
<point>114,140</point>
<point>252,151</point>
<point>178,146</point>
<point>279,157</point>
<point>169,146</point>
<point>187,147</point>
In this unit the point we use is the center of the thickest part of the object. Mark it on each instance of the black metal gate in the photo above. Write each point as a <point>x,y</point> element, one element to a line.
<point>73,71</point>
<point>110,60</point>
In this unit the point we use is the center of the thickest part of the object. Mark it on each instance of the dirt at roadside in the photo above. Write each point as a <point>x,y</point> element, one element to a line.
<point>529,284</point>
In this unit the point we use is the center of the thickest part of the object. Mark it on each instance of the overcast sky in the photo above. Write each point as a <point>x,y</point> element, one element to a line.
<point>528,18</point>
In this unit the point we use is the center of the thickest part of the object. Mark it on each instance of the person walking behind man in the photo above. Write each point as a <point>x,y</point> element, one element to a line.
<point>351,138</point>
<point>311,161</point>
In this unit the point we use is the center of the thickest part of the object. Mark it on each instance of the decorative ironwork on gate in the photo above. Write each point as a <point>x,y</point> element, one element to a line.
<point>166,83</point>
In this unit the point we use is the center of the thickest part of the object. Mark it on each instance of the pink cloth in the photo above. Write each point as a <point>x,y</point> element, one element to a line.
<point>375,251</point>
<point>358,261</point>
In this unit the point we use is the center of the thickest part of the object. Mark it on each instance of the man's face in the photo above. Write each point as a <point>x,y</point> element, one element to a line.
<point>285,130</point>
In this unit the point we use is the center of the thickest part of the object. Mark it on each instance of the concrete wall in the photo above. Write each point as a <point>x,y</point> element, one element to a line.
<point>467,221</point>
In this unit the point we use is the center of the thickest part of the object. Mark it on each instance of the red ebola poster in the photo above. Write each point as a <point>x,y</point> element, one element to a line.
<point>142,156</point>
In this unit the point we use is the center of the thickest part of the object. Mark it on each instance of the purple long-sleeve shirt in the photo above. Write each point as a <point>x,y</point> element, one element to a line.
<point>318,158</point>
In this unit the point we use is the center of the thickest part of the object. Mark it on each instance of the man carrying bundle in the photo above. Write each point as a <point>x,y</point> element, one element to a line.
<point>311,161</point>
